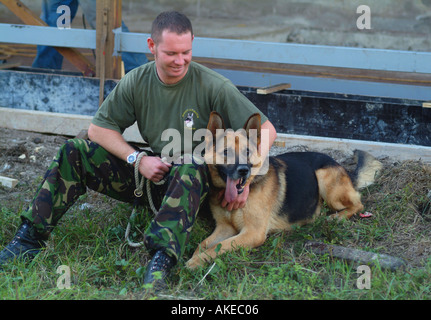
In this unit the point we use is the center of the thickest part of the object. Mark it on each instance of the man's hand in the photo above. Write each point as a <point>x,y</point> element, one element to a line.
<point>239,202</point>
<point>153,168</point>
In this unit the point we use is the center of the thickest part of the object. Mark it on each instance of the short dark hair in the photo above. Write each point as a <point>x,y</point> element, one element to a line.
<point>172,21</point>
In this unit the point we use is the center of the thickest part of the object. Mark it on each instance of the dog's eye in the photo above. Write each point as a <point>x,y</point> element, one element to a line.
<point>248,152</point>
<point>225,152</point>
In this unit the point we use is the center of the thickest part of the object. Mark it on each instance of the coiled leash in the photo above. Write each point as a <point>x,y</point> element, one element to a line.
<point>139,182</point>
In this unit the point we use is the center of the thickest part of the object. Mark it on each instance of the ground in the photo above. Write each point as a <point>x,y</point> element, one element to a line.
<point>403,188</point>
<point>25,156</point>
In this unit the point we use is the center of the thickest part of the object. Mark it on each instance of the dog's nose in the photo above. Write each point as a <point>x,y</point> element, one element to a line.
<point>242,170</point>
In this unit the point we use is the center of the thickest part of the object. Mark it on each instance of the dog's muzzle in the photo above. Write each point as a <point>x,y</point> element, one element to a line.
<point>243,172</point>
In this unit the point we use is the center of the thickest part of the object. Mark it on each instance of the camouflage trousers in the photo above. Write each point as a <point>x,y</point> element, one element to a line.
<point>81,163</point>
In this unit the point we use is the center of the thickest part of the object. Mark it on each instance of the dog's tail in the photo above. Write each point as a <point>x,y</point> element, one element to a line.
<point>366,170</point>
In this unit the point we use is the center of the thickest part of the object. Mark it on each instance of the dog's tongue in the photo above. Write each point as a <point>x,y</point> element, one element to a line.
<point>231,191</point>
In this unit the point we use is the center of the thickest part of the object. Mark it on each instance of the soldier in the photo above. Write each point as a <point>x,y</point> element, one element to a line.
<point>170,93</point>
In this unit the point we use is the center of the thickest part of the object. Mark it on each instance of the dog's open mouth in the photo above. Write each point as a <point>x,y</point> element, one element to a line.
<point>234,188</point>
<point>240,185</point>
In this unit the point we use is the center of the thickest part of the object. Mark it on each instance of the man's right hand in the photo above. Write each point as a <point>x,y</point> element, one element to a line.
<point>153,168</point>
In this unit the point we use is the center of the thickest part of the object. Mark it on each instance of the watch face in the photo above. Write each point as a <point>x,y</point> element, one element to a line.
<point>131,158</point>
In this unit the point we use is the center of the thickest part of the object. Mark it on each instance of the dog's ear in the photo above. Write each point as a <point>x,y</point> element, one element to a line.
<point>215,122</point>
<point>253,123</point>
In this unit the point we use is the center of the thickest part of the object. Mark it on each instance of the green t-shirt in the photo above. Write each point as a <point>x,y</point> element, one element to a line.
<point>140,96</point>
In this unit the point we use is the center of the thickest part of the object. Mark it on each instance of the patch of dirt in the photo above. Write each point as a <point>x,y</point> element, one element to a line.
<point>24,156</point>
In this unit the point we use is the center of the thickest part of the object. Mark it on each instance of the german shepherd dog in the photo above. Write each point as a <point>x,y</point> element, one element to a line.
<point>290,193</point>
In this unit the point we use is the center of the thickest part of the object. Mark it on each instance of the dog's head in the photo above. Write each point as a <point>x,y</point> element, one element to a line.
<point>231,155</point>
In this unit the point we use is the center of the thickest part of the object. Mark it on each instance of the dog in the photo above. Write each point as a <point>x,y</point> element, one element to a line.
<point>289,194</point>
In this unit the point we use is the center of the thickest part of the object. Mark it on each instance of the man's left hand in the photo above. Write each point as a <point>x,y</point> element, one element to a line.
<point>238,203</point>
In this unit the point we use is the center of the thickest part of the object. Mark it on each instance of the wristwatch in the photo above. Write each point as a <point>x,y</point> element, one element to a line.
<point>131,158</point>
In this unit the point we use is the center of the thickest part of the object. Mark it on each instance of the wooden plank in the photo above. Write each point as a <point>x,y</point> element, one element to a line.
<point>78,60</point>
<point>274,88</point>
<point>409,78</point>
<point>73,55</point>
<point>56,123</point>
<point>279,143</point>
<point>426,111</point>
<point>8,182</point>
<point>9,65</point>
<point>23,12</point>
<point>108,17</point>
<point>101,36</point>
<point>44,122</point>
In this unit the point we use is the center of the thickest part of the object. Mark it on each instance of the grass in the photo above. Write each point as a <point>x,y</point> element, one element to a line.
<point>90,243</point>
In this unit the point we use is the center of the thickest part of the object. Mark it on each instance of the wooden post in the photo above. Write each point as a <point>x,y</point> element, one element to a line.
<point>73,55</point>
<point>108,18</point>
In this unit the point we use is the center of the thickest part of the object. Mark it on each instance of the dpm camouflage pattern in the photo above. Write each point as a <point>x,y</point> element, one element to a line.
<point>187,188</point>
<point>81,163</point>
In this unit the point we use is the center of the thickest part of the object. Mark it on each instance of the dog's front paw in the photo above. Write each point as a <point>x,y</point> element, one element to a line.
<point>195,262</point>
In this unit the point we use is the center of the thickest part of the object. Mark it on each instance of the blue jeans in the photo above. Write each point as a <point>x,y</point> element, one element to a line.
<point>49,58</point>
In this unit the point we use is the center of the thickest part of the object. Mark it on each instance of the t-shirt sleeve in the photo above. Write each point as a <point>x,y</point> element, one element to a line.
<point>117,112</point>
<point>234,107</point>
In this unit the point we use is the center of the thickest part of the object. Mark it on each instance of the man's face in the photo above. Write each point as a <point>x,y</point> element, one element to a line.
<point>172,54</point>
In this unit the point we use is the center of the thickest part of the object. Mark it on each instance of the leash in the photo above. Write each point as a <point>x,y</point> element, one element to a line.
<point>139,183</point>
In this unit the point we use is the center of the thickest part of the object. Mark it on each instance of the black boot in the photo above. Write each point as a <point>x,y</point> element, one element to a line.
<point>162,263</point>
<point>24,246</point>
